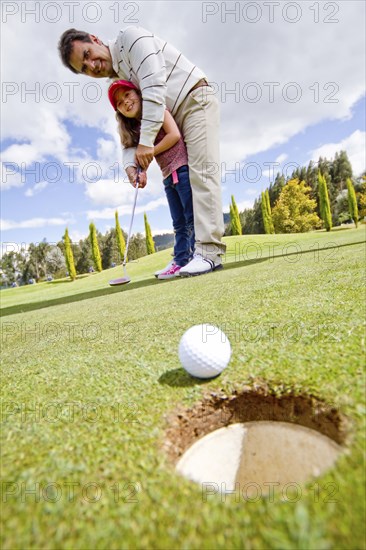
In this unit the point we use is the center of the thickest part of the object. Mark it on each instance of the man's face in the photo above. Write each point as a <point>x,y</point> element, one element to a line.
<point>91,58</point>
<point>128,102</point>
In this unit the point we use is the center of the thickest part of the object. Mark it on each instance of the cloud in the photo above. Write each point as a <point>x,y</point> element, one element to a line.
<point>354,145</point>
<point>251,192</point>
<point>281,158</point>
<point>125,210</point>
<point>255,79</point>
<point>108,192</point>
<point>256,69</point>
<point>242,205</point>
<point>116,192</point>
<point>25,154</point>
<point>10,176</point>
<point>32,223</point>
<point>42,136</point>
<point>162,232</point>
<point>36,189</point>
<point>77,236</point>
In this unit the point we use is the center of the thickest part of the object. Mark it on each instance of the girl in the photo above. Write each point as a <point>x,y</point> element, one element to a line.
<point>171,155</point>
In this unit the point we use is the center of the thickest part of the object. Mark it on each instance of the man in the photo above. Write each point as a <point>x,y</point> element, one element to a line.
<point>166,79</point>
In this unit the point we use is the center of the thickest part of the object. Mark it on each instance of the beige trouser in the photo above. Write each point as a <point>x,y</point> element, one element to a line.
<point>198,118</point>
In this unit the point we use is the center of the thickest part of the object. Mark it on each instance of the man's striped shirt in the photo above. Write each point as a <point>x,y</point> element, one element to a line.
<point>162,73</point>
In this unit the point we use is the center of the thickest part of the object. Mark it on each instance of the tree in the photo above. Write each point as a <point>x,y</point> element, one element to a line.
<point>246,220</point>
<point>137,247</point>
<point>36,263</point>
<point>361,196</point>
<point>269,212</point>
<point>324,205</point>
<point>324,167</point>
<point>257,219</point>
<point>341,211</point>
<point>11,265</point>
<point>340,170</point>
<point>235,218</point>
<point>299,173</point>
<point>266,213</point>
<point>110,253</point>
<point>266,223</point>
<point>150,247</point>
<point>294,211</point>
<point>311,180</point>
<point>275,189</point>
<point>55,262</point>
<point>69,257</point>
<point>84,256</point>
<point>352,201</point>
<point>120,238</point>
<point>95,247</point>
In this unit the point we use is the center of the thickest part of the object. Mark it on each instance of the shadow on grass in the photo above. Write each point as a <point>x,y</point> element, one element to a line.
<point>67,281</point>
<point>179,378</point>
<point>105,291</point>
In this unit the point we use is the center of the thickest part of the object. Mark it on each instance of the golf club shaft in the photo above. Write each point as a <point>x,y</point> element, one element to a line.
<point>132,216</point>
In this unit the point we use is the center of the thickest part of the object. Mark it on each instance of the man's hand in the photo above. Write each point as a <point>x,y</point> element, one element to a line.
<point>144,156</point>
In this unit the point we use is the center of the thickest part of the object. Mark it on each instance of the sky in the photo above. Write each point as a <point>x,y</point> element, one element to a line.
<point>290,78</point>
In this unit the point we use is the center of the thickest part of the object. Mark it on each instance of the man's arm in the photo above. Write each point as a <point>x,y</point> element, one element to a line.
<point>128,157</point>
<point>143,53</point>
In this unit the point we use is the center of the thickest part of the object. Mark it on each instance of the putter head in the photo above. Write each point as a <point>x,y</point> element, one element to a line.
<point>124,280</point>
<point>120,281</point>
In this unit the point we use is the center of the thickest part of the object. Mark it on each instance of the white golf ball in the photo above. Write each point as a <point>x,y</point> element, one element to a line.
<point>204,351</point>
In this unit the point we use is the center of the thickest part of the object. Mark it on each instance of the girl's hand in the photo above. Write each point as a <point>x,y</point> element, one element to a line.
<point>131,172</point>
<point>142,180</point>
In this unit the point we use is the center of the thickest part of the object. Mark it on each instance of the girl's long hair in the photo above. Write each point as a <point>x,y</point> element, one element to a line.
<point>129,129</point>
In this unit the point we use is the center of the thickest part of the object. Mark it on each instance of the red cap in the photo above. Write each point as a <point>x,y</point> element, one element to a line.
<point>116,85</point>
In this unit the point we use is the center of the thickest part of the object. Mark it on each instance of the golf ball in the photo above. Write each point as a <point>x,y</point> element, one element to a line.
<point>204,351</point>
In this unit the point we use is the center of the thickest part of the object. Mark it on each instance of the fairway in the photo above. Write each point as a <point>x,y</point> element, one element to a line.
<point>91,385</point>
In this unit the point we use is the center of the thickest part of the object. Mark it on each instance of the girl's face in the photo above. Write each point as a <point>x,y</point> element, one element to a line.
<point>128,102</point>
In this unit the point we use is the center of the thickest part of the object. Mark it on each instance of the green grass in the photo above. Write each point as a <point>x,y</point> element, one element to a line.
<point>90,374</point>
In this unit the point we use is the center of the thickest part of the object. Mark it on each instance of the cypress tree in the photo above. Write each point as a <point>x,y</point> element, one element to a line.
<point>324,205</point>
<point>235,218</point>
<point>69,256</point>
<point>265,214</point>
<point>361,195</point>
<point>95,247</point>
<point>120,238</point>
<point>231,219</point>
<point>150,246</point>
<point>269,212</point>
<point>352,201</point>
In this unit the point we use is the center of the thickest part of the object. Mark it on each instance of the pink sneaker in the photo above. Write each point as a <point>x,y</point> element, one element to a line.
<point>170,272</point>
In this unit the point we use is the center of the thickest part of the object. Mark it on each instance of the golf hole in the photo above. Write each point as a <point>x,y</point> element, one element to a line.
<point>255,442</point>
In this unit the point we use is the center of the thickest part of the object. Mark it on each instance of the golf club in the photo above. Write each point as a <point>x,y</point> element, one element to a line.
<point>126,279</point>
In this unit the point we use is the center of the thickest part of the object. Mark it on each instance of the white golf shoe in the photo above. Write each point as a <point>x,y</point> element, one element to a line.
<point>199,266</point>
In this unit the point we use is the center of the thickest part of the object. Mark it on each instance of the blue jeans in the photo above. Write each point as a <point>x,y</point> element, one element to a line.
<point>179,197</point>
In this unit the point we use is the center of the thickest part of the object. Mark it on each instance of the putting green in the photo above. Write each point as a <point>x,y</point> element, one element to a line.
<point>91,380</point>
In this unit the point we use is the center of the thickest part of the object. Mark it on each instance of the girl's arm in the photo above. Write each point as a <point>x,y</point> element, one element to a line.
<point>172,134</point>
